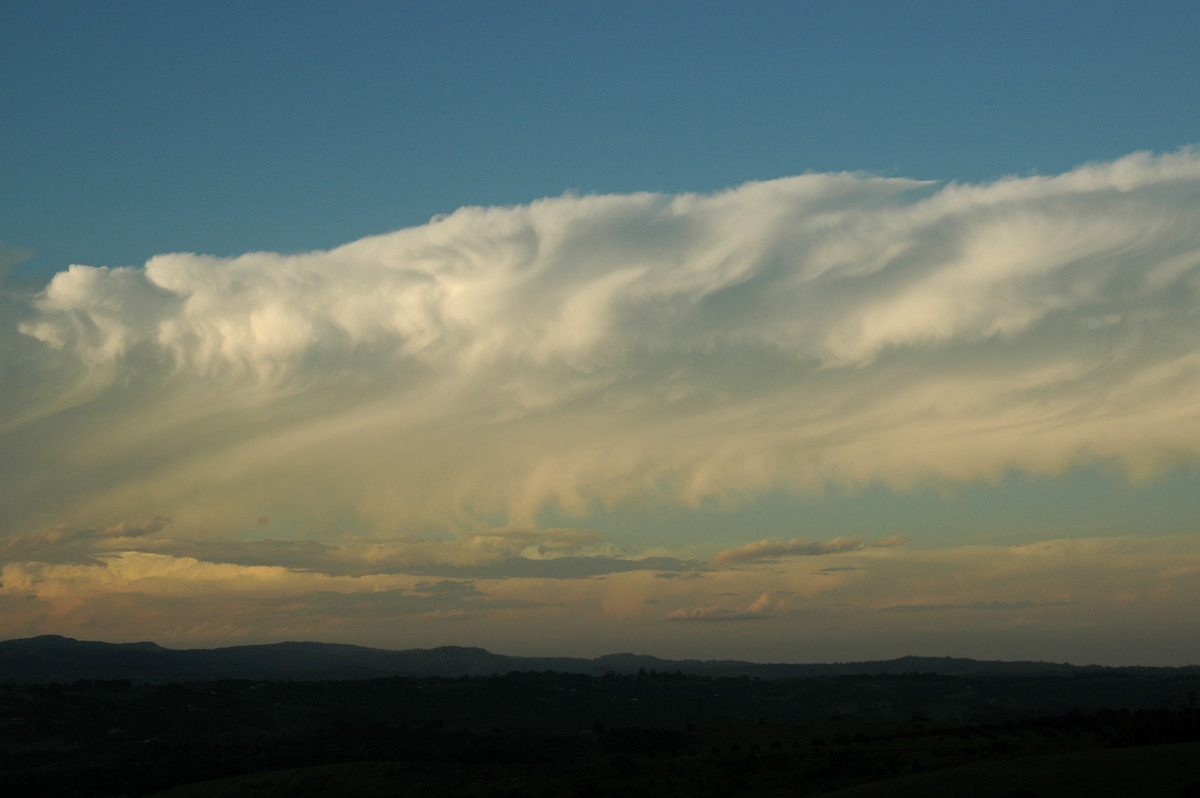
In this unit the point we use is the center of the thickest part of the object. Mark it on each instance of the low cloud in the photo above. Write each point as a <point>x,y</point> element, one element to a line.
<point>693,573</point>
<point>997,601</point>
<point>711,614</point>
<point>556,568</point>
<point>977,605</point>
<point>447,587</point>
<point>796,547</point>
<point>765,605</point>
<point>62,543</point>
<point>488,554</point>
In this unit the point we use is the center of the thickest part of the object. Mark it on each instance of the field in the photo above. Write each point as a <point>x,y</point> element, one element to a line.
<point>649,734</point>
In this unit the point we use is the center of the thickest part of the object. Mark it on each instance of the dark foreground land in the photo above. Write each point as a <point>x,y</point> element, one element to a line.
<point>647,733</point>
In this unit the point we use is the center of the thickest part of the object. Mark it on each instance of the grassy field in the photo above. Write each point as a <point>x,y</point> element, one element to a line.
<point>1172,771</point>
<point>552,735</point>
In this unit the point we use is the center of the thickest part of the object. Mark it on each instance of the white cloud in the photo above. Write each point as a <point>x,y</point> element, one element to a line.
<point>473,371</point>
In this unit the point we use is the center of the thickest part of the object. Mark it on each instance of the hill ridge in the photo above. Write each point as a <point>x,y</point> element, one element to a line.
<point>55,658</point>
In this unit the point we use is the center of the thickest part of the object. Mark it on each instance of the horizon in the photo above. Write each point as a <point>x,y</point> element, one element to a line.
<point>777,334</point>
<point>608,655</point>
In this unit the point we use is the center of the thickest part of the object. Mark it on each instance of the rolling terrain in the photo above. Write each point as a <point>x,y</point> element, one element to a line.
<point>260,720</point>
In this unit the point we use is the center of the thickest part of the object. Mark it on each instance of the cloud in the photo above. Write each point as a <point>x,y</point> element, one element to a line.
<point>575,352</point>
<point>977,605</point>
<point>692,573</point>
<point>996,601</point>
<point>447,587</point>
<point>764,606</point>
<point>796,547</point>
<point>53,543</point>
<point>488,554</point>
<point>557,568</point>
<point>10,257</point>
<point>710,614</point>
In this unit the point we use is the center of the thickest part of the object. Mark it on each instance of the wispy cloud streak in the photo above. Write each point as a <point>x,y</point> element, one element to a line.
<point>797,547</point>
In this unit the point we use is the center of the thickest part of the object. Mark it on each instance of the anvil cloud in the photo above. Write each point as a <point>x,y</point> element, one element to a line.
<point>824,328</point>
<point>419,393</point>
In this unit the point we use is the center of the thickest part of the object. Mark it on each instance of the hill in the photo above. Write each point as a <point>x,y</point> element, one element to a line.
<point>52,658</point>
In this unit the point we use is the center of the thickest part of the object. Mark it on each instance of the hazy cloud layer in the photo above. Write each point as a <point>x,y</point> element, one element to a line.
<point>489,554</point>
<point>469,373</point>
<point>1047,599</point>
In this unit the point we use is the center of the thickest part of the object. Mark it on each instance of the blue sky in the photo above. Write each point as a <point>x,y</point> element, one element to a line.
<point>487,323</point>
<point>140,128</point>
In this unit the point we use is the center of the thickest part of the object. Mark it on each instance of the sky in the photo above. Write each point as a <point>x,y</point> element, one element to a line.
<point>772,331</point>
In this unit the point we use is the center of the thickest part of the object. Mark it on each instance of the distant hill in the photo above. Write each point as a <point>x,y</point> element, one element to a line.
<point>51,658</point>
